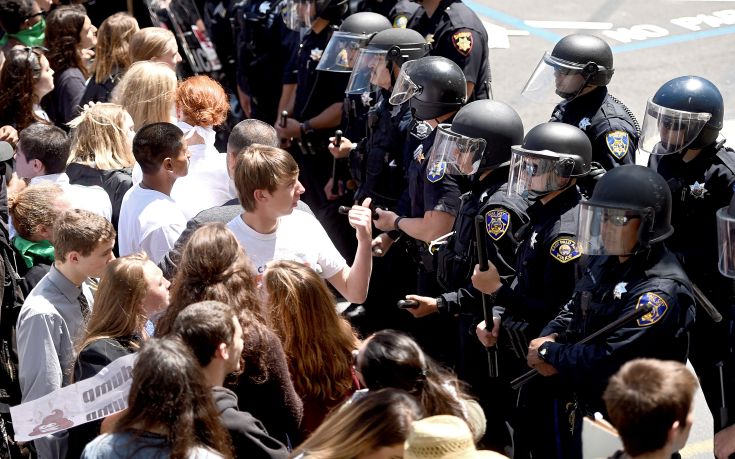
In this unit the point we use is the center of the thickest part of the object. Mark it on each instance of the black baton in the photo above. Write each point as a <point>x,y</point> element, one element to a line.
<point>492,352</point>
<point>337,143</point>
<point>612,327</point>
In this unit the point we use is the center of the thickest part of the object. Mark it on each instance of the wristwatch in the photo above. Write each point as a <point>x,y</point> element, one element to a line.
<point>543,351</point>
<point>306,128</point>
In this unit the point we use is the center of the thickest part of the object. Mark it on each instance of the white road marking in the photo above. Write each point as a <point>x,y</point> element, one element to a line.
<point>569,25</point>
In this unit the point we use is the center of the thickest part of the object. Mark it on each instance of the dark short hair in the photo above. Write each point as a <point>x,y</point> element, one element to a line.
<point>46,143</point>
<point>155,142</point>
<point>249,132</point>
<point>13,13</point>
<point>644,398</point>
<point>204,326</point>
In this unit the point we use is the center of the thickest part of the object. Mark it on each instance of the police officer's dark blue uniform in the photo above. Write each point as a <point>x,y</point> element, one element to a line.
<point>582,66</point>
<point>625,224</point>
<point>543,168</point>
<point>264,48</point>
<point>701,183</point>
<point>457,34</point>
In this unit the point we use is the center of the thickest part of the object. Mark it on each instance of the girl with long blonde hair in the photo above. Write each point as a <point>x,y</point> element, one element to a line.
<point>147,91</point>
<point>102,152</point>
<point>112,56</point>
<point>213,267</point>
<point>155,44</point>
<point>317,341</point>
<point>132,290</point>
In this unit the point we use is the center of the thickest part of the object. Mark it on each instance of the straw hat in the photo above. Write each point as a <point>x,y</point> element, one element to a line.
<point>443,437</point>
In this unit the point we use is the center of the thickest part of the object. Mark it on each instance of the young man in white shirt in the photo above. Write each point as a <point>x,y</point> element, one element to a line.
<point>53,316</point>
<point>150,221</point>
<point>271,228</point>
<point>41,155</point>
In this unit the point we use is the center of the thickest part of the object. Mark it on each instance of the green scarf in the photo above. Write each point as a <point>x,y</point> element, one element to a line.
<point>29,37</point>
<point>34,253</point>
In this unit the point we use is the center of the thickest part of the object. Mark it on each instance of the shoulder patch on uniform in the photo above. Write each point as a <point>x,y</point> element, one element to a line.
<point>497,221</point>
<point>564,249</point>
<point>659,309</point>
<point>618,143</point>
<point>462,41</point>
<point>400,22</point>
<point>436,171</point>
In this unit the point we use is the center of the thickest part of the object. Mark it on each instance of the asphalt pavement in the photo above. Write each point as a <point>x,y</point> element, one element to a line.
<point>652,42</point>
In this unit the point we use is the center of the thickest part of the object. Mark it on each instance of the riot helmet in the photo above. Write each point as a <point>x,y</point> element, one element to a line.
<point>432,85</point>
<point>373,67</point>
<point>685,113</point>
<point>345,44</point>
<point>298,15</point>
<point>480,137</point>
<point>629,211</point>
<point>551,156</point>
<point>577,61</point>
<point>726,239</point>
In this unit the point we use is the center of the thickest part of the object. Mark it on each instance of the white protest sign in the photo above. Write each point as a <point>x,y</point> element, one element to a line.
<point>89,400</point>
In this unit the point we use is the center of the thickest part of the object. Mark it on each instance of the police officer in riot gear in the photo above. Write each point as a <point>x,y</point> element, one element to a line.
<point>578,70</point>
<point>455,32</point>
<point>376,161</point>
<point>478,142</point>
<point>544,170</point>
<point>680,131</point>
<point>622,227</point>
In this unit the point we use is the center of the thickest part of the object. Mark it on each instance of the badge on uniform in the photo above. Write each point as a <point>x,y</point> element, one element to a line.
<point>697,190</point>
<point>463,42</point>
<point>421,130</point>
<point>429,38</point>
<point>619,290</point>
<point>418,154</point>
<point>366,98</point>
<point>584,123</point>
<point>316,54</point>
<point>436,171</point>
<point>564,249</point>
<point>400,22</point>
<point>618,143</point>
<point>659,309</point>
<point>497,222</point>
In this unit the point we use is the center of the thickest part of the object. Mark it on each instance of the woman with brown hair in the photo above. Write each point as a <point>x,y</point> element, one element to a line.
<point>170,410</point>
<point>69,33</point>
<point>112,56</point>
<point>214,267</point>
<point>102,152</point>
<point>201,104</point>
<point>132,291</point>
<point>318,342</point>
<point>25,79</point>
<point>146,91</point>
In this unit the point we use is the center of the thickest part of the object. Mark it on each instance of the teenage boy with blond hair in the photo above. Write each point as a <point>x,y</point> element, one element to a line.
<point>271,228</point>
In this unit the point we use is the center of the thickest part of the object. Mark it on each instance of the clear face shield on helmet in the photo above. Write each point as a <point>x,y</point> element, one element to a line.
<point>461,154</point>
<point>554,78</point>
<point>404,88</point>
<point>537,173</point>
<point>667,131</point>
<point>369,72</point>
<point>342,51</point>
<point>605,230</point>
<point>298,15</point>
<point>726,242</point>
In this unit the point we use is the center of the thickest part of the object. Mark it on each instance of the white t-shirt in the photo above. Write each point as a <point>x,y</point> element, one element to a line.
<point>298,237</point>
<point>150,221</point>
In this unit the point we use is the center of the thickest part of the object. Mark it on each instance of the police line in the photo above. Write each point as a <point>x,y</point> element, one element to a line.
<point>93,399</point>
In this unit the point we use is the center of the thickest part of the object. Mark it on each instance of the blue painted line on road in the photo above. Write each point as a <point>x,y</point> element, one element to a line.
<point>672,39</point>
<point>513,21</point>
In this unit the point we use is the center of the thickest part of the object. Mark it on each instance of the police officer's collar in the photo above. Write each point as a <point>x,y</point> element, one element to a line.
<point>563,201</point>
<point>497,176</point>
<point>592,99</point>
